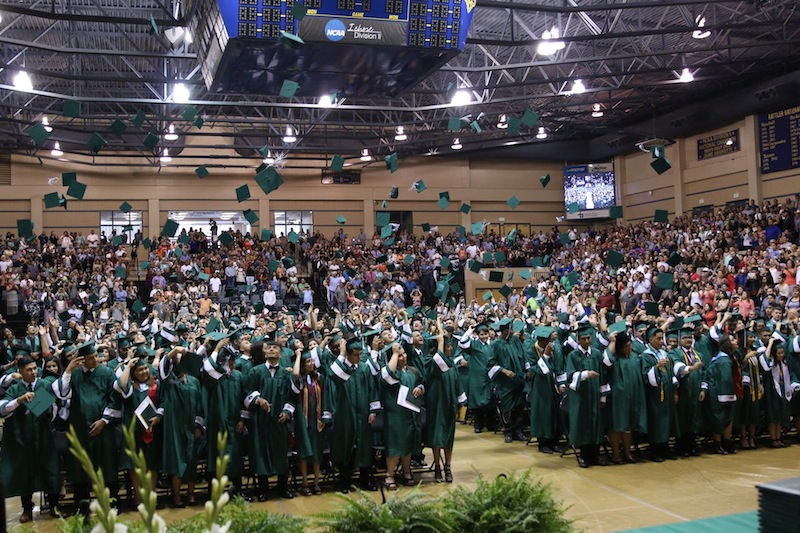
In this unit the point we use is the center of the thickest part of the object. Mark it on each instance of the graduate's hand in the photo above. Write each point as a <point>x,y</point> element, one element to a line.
<point>16,375</point>
<point>418,392</point>
<point>593,374</point>
<point>198,433</point>
<point>508,373</point>
<point>371,418</point>
<point>153,421</point>
<point>73,364</point>
<point>283,417</point>
<point>464,363</point>
<point>263,404</point>
<point>25,398</point>
<point>96,427</point>
<point>222,343</point>
<point>662,363</point>
<point>675,398</point>
<point>132,362</point>
<point>240,427</point>
<point>702,395</point>
<point>562,389</point>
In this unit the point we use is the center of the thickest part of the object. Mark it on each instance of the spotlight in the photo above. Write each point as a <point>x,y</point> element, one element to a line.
<point>46,124</point>
<point>269,160</point>
<point>325,101</point>
<point>461,98</point>
<point>700,33</point>
<point>686,76</point>
<point>542,133</point>
<point>165,158</point>
<point>502,122</point>
<point>23,82</point>
<point>289,137</point>
<point>56,151</point>
<point>171,135</point>
<point>400,134</point>
<point>180,94</point>
<point>578,87</point>
<point>597,111</point>
<point>456,144</point>
<point>365,155</point>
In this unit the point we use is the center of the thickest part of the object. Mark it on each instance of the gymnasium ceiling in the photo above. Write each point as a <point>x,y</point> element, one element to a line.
<point>629,55</point>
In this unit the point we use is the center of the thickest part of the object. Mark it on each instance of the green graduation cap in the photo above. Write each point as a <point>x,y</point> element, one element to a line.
<point>409,258</point>
<point>150,140</point>
<point>170,228</point>
<point>661,215</point>
<point>487,296</point>
<point>476,228</point>
<point>445,194</point>
<point>499,257</point>
<point>137,307</point>
<point>394,193</point>
<point>64,316</point>
<point>525,274</point>
<point>382,218</point>
<point>116,240</point>
<point>513,126</point>
<point>651,308</point>
<point>202,276</point>
<point>68,177</point>
<point>288,89</point>
<point>269,180</point>
<point>147,242</point>
<point>189,112</point>
<point>273,265</point>
<point>465,208</point>
<point>617,327</point>
<point>38,134</point>
<point>443,203</point>
<point>574,207</point>
<point>544,180</point>
<point>52,200</point>
<point>119,272</point>
<point>384,204</point>
<point>475,266</point>
<point>299,11</point>
<point>198,122</point>
<point>419,186</point>
<point>76,189</point>
<point>225,239</point>
<point>144,265</point>
<point>341,219</point>
<point>337,163</point>
<point>152,27</point>
<point>564,238</point>
<point>692,319</point>
<point>291,40</point>
<point>125,207</point>
<point>454,124</point>
<point>529,118</point>
<point>665,280</point>
<point>201,171</point>
<point>573,277</point>
<point>614,258</point>
<point>96,142</point>
<point>513,202</point>
<point>118,127</point>
<point>445,262</point>
<point>475,127</point>
<point>391,162</point>
<point>487,257</point>
<point>505,290</point>
<point>386,231</point>
<point>72,108</point>
<point>537,262</point>
<point>674,259</point>
<point>293,237</point>
<point>512,235</point>
<point>496,276</point>
<point>25,227</point>
<point>660,165</point>
<point>266,234</point>
<point>250,216</point>
<point>615,211</point>
<point>63,202</point>
<point>138,119</point>
<point>461,230</point>
<point>242,193</point>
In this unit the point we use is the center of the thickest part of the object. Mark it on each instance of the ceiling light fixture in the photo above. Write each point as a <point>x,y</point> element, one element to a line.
<point>325,101</point>
<point>542,133</point>
<point>578,87</point>
<point>46,124</point>
<point>686,76</point>
<point>171,135</point>
<point>456,144</point>
<point>461,98</point>
<point>180,94</point>
<point>400,134</point>
<point>550,43</point>
<point>597,110</point>
<point>289,137</point>
<point>365,155</point>
<point>268,160</point>
<point>502,122</point>
<point>23,82</point>
<point>165,158</point>
<point>187,36</point>
<point>56,151</point>
<point>700,33</point>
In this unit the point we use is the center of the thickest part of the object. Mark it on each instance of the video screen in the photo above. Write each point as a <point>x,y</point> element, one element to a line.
<point>592,186</point>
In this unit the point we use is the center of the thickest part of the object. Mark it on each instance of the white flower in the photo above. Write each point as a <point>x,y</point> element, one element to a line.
<point>223,500</point>
<point>216,528</point>
<point>118,528</point>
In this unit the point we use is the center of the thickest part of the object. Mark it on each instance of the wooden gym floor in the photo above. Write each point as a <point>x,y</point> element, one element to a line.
<point>600,499</point>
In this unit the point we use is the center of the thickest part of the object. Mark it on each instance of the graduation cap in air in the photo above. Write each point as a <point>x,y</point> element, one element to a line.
<point>337,163</point>
<point>665,280</point>
<point>250,216</point>
<point>382,218</point>
<point>76,189</point>
<point>614,258</point>
<point>660,165</point>
<point>529,118</point>
<point>419,186</point>
<point>201,171</point>
<point>394,193</point>
<point>513,126</point>
<point>454,124</point>
<point>513,202</point>
<point>651,308</point>
<point>615,211</point>
<point>544,180</point>
<point>170,228</point>
<point>573,207</point>
<point>138,119</point>
<point>52,200</point>
<point>465,208</point>
<point>266,234</point>
<point>242,193</point>
<point>661,215</point>
<point>291,40</point>
<point>96,143</point>
<point>68,177</point>
<point>391,162</point>
<point>38,133</point>
<point>674,259</point>
<point>299,11</point>
<point>443,202</point>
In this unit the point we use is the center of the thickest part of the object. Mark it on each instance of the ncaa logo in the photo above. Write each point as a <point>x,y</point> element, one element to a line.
<point>334,30</point>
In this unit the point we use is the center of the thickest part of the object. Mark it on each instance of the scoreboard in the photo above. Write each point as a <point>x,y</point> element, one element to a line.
<point>441,24</point>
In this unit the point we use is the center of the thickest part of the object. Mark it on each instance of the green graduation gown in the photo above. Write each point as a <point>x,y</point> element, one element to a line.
<point>91,398</point>
<point>660,386</point>
<point>544,395</point>
<point>269,438</point>
<point>585,421</point>
<point>224,393</point>
<point>151,444</point>
<point>626,403</point>
<point>688,413</point>
<point>356,398</point>
<point>443,394</point>
<point>508,355</point>
<point>182,401</point>
<point>480,386</point>
<point>28,457</point>
<point>720,391</point>
<point>402,427</point>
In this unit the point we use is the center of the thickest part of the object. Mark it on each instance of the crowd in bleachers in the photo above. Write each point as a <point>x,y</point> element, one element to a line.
<point>312,352</point>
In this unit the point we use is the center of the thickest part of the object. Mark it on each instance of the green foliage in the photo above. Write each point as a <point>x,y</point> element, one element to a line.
<point>243,520</point>
<point>75,524</point>
<point>514,504</point>
<point>412,511</point>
